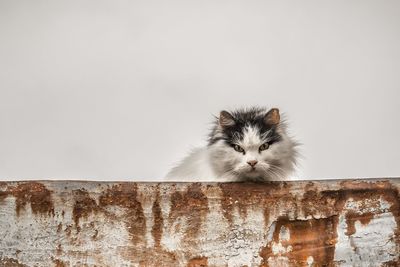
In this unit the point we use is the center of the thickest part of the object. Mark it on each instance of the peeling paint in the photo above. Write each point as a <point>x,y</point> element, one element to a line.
<point>378,231</point>
<point>313,223</point>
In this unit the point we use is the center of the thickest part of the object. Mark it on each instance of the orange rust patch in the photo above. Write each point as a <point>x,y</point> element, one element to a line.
<point>125,195</point>
<point>10,262</point>
<point>83,206</point>
<point>193,205</point>
<point>198,262</point>
<point>34,193</point>
<point>353,216</point>
<point>314,237</point>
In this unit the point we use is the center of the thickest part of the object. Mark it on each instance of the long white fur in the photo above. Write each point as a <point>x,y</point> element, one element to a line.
<point>220,162</point>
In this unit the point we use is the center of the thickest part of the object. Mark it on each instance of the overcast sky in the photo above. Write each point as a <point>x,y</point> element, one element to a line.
<point>121,90</point>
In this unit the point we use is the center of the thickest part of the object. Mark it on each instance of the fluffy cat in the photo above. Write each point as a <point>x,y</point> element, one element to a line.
<point>246,144</point>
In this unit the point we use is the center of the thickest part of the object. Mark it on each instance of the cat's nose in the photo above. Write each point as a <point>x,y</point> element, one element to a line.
<point>252,163</point>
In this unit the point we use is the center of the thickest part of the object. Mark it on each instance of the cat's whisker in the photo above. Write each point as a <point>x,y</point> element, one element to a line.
<point>254,136</point>
<point>273,173</point>
<point>281,170</point>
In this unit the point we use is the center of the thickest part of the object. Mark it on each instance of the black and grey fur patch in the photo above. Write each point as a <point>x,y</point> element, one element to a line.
<point>254,117</point>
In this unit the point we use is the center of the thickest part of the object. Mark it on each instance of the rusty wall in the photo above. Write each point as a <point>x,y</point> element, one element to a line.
<point>310,223</point>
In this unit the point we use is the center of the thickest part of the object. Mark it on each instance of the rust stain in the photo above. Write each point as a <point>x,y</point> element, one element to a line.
<point>59,228</point>
<point>149,257</point>
<point>83,206</point>
<point>331,202</point>
<point>394,263</point>
<point>125,195</point>
<point>10,262</point>
<point>265,253</point>
<point>3,193</point>
<point>193,205</point>
<point>313,237</point>
<point>68,230</point>
<point>245,195</point>
<point>198,262</point>
<point>158,223</point>
<point>96,232</point>
<point>157,258</point>
<point>34,193</point>
<point>312,202</point>
<point>369,193</point>
<point>59,250</point>
<point>353,216</point>
<point>59,263</point>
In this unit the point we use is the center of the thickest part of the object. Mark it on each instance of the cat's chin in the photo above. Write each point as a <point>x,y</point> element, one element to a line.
<point>251,178</point>
<point>252,174</point>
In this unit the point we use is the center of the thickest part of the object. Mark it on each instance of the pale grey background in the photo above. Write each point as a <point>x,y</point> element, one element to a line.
<point>122,89</point>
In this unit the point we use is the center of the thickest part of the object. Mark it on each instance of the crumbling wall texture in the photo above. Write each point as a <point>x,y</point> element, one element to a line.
<point>310,223</point>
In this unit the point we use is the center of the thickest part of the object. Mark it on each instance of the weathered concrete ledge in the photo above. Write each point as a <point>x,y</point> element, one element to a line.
<point>309,223</point>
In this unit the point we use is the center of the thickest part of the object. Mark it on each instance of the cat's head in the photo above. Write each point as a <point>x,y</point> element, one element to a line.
<point>251,144</point>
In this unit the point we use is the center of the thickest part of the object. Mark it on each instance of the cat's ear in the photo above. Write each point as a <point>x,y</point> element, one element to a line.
<point>272,117</point>
<point>226,119</point>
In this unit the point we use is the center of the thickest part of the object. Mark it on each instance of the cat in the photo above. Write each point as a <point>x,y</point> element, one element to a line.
<point>249,144</point>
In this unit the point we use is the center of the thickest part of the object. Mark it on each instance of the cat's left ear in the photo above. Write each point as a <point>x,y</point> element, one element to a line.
<point>226,119</point>
<point>272,117</point>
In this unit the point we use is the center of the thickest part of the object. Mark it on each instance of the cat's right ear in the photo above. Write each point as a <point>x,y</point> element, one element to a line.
<point>226,119</point>
<point>272,117</point>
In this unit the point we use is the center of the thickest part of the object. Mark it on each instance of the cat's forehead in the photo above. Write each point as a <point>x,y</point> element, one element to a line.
<point>251,137</point>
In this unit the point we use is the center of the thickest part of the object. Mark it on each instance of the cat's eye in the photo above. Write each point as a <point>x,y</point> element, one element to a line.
<point>263,147</point>
<point>238,148</point>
